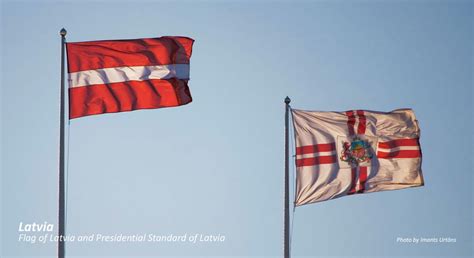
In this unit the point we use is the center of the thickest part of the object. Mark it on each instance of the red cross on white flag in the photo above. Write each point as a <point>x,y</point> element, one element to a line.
<point>345,153</point>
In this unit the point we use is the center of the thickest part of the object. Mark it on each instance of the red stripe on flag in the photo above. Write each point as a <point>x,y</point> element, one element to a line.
<point>353,181</point>
<point>399,154</point>
<point>316,161</point>
<point>127,96</point>
<point>362,122</point>
<point>399,142</point>
<point>350,122</point>
<point>137,52</point>
<point>362,179</point>
<point>315,148</point>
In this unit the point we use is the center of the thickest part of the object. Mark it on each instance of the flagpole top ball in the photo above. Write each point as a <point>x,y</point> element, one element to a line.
<point>287,100</point>
<point>63,32</point>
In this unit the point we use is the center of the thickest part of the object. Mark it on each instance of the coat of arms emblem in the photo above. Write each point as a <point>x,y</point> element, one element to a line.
<point>357,151</point>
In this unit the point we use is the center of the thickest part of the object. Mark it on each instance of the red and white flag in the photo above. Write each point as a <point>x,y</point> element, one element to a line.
<point>122,75</point>
<point>354,152</point>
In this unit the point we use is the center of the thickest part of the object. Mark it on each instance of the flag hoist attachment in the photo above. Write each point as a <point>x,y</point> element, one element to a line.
<point>286,231</point>
<point>62,186</point>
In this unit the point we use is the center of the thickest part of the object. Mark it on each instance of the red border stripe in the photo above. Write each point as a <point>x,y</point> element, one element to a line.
<point>315,148</point>
<point>399,143</point>
<point>127,96</point>
<point>399,154</point>
<point>316,161</point>
<point>362,122</point>
<point>93,55</point>
<point>362,179</point>
<point>353,180</point>
<point>350,122</point>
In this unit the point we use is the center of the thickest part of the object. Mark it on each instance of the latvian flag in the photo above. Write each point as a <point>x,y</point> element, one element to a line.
<point>123,75</point>
<point>354,152</point>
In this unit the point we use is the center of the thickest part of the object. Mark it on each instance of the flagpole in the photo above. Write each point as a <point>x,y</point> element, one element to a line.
<point>62,190</point>
<point>286,245</point>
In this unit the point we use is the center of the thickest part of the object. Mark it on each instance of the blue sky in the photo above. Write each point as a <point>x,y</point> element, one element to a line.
<point>215,166</point>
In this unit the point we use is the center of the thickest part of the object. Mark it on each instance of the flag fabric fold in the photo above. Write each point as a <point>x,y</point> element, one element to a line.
<point>123,75</point>
<point>354,152</point>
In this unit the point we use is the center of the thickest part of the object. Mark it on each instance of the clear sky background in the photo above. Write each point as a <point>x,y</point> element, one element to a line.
<point>215,166</point>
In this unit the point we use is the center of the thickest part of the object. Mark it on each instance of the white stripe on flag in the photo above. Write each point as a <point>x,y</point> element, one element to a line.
<point>316,154</point>
<point>128,73</point>
<point>356,121</point>
<point>398,148</point>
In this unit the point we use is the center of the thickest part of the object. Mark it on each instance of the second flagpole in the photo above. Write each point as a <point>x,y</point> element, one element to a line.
<point>286,231</point>
<point>62,186</point>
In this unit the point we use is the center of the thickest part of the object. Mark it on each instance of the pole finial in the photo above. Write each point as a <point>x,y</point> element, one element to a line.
<point>287,100</point>
<point>63,32</point>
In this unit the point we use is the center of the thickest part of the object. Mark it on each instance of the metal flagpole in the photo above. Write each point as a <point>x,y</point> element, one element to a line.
<point>286,246</point>
<point>62,199</point>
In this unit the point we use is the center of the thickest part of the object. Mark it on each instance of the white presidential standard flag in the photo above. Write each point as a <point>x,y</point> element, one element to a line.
<point>354,152</point>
